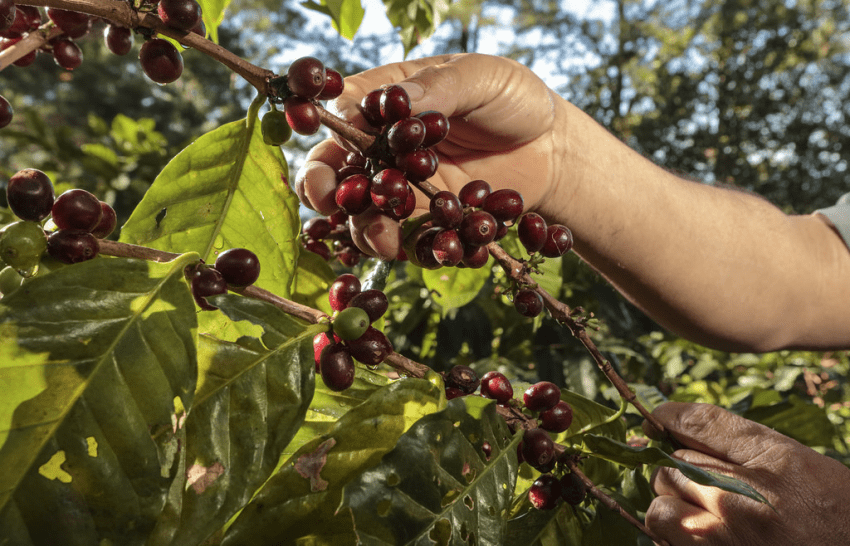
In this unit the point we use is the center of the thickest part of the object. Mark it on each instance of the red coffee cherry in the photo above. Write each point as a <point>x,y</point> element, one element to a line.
<point>558,418</point>
<point>30,195</point>
<point>306,77</point>
<point>406,135</point>
<point>160,60</point>
<point>446,210</point>
<point>66,53</point>
<point>71,247</point>
<point>343,289</point>
<point>528,303</point>
<point>337,367</point>
<point>353,194</point>
<point>505,205</point>
<point>436,127</point>
<point>538,449</point>
<point>301,115</point>
<point>573,490</point>
<point>334,85</point>
<point>447,248</point>
<point>532,230</point>
<point>371,348</point>
<point>559,241</point>
<point>77,210</point>
<point>545,492</point>
<point>180,14</point>
<point>108,222</point>
<point>542,396</point>
<point>370,107</point>
<point>239,266</point>
<point>473,193</point>
<point>478,228</point>
<point>374,302</point>
<point>119,40</point>
<point>389,189</point>
<point>394,104</point>
<point>496,386</point>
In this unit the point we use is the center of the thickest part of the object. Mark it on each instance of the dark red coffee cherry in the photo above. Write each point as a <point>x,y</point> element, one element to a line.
<point>239,266</point>
<point>418,165</point>
<point>207,281</point>
<point>337,367</point>
<point>24,61</point>
<point>108,222</point>
<point>334,85</point>
<point>374,302</point>
<point>371,348</point>
<point>342,290</point>
<point>6,112</point>
<point>528,303</point>
<point>559,241</point>
<point>66,53</point>
<point>531,230</point>
<point>478,228</point>
<point>404,210</point>
<point>68,21</point>
<point>320,341</point>
<point>475,257</point>
<point>395,104</point>
<point>505,205</point>
<point>160,60</point>
<point>7,14</point>
<point>71,247</point>
<point>406,135</point>
<point>436,127</point>
<point>573,490</point>
<point>370,107</point>
<point>545,492</point>
<point>349,256</point>
<point>473,193</point>
<point>306,77</point>
<point>317,247</point>
<point>463,378</point>
<point>558,418</point>
<point>389,189</point>
<point>501,230</point>
<point>30,195</point>
<point>302,115</point>
<point>538,449</point>
<point>180,14</point>
<point>423,250</point>
<point>542,396</point>
<point>452,393</point>
<point>496,386</point>
<point>447,248</point>
<point>27,19</point>
<point>446,210</point>
<point>317,228</point>
<point>353,195</point>
<point>77,210</point>
<point>119,40</point>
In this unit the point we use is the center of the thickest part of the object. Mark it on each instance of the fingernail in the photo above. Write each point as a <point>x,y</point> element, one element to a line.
<point>414,90</point>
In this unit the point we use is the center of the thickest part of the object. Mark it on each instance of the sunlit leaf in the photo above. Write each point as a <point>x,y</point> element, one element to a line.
<point>345,14</point>
<point>452,287</point>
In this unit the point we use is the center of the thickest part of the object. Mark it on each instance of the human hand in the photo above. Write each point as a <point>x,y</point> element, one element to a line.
<point>502,130</point>
<point>810,492</point>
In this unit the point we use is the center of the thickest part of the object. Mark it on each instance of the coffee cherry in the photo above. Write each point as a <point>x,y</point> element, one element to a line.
<point>207,281</point>
<point>317,228</point>
<point>406,209</point>
<point>66,53</point>
<point>501,230</point>
<point>496,386</point>
<point>545,492</point>
<point>395,104</point>
<point>301,115</point>
<point>452,393</point>
<point>320,341</point>
<point>119,40</point>
<point>573,490</point>
<point>559,241</point>
<point>7,14</point>
<point>180,14</point>
<point>538,449</point>
<point>353,194</point>
<point>275,129</point>
<point>355,159</point>
<point>475,257</point>
<point>27,19</point>
<point>334,85</point>
<point>389,189</point>
<point>473,193</point>
<point>317,247</point>
<point>160,61</point>
<point>423,251</point>
<point>10,280</point>
<point>436,127</point>
<point>542,396</point>
<point>350,323</point>
<point>446,210</point>
<point>558,418</point>
<point>337,367</point>
<point>478,228</point>
<point>374,302</point>
<point>71,247</point>
<point>22,245</point>
<point>371,348</point>
<point>528,303</point>
<point>463,378</point>
<point>108,222</point>
<point>370,107</point>
<point>418,165</point>
<point>505,205</point>
<point>239,266</point>
<point>349,256</point>
<point>77,210</point>
<point>68,21</point>
<point>342,290</point>
<point>406,135</point>
<point>306,77</point>
<point>447,248</point>
<point>6,112</point>
<point>531,230</point>
<point>30,195</point>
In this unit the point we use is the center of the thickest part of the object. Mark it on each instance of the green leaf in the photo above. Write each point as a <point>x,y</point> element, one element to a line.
<point>452,287</point>
<point>438,485</point>
<point>251,400</point>
<point>533,527</point>
<point>798,419</point>
<point>415,20</point>
<point>213,13</point>
<point>227,189</point>
<point>313,277</point>
<point>98,438</point>
<point>624,454</point>
<point>346,14</point>
<point>301,500</point>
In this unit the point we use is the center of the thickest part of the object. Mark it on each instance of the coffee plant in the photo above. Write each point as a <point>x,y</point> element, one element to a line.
<point>223,374</point>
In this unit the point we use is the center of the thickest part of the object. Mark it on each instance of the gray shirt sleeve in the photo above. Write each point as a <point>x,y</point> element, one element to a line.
<point>839,215</point>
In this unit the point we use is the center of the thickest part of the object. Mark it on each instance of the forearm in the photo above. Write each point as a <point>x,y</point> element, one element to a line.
<point>720,267</point>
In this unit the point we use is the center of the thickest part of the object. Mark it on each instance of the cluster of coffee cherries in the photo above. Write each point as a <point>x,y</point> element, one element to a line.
<point>317,232</point>
<point>306,82</point>
<point>18,21</point>
<point>233,268</point>
<point>352,337</point>
<point>79,217</point>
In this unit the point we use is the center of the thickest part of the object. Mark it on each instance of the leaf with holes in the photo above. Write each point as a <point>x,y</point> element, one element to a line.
<point>97,443</point>
<point>449,480</point>
<point>300,502</point>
